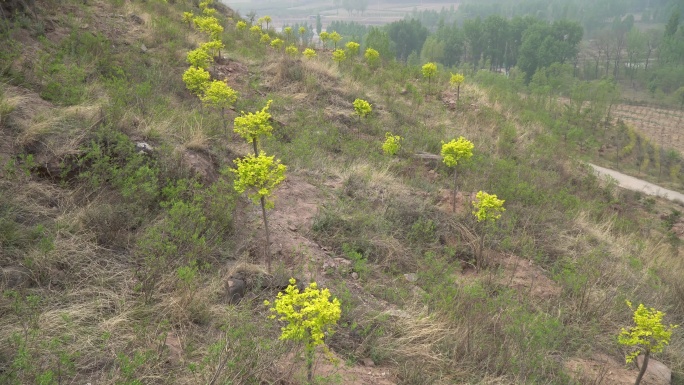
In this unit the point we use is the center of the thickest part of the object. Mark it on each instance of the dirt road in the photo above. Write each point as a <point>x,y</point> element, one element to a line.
<point>635,184</point>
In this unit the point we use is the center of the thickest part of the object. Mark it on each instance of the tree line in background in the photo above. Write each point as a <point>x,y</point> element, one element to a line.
<point>632,51</point>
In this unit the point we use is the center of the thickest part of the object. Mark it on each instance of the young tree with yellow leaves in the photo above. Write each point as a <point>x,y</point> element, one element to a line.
<point>251,125</point>
<point>488,208</point>
<point>648,335</point>
<point>259,175</point>
<point>220,96</point>
<point>310,315</point>
<point>454,152</point>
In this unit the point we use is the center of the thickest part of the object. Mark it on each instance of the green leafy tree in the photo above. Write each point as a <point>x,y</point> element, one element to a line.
<point>288,33</point>
<point>319,24</point>
<point>309,315</point>
<point>372,57</point>
<point>339,56</point>
<point>335,38</point>
<point>392,144</point>
<point>456,80</point>
<point>454,152</point>
<point>488,209</point>
<point>362,108</point>
<point>352,48</point>
<point>302,34</point>
<point>240,25</point>
<point>220,96</point>
<point>291,50</point>
<point>187,18</point>
<point>277,43</point>
<point>679,97</point>
<point>268,20</point>
<point>309,53</point>
<point>209,25</point>
<point>259,176</point>
<point>324,36</point>
<point>196,80</point>
<point>213,47</point>
<point>255,30</point>
<point>250,126</point>
<point>199,58</point>
<point>265,38</point>
<point>429,71</point>
<point>648,335</point>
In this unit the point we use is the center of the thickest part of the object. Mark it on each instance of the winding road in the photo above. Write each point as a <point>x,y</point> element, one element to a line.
<point>635,184</point>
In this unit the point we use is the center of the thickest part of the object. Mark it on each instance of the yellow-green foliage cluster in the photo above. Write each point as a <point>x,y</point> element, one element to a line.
<point>392,144</point>
<point>324,36</point>
<point>251,125</point>
<point>335,37</point>
<point>255,29</point>
<point>198,81</point>
<point>199,58</point>
<point>429,70</point>
<point>338,55</point>
<point>352,48</point>
<point>487,207</point>
<point>362,108</point>
<point>632,141</point>
<point>277,43</point>
<point>648,333</point>
<point>258,176</point>
<point>309,314</point>
<point>456,150</point>
<point>456,80</point>
<point>291,50</point>
<point>372,56</point>
<point>240,25</point>
<point>309,53</point>
<point>265,38</point>
<point>219,95</point>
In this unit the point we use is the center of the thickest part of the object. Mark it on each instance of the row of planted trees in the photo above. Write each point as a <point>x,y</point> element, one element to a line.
<point>256,174</point>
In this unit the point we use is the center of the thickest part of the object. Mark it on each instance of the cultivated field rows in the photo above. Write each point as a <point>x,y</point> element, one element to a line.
<point>661,126</point>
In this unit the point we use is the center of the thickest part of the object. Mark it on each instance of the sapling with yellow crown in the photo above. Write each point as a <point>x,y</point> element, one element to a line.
<point>309,316</point>
<point>648,335</point>
<point>453,153</point>
<point>488,209</point>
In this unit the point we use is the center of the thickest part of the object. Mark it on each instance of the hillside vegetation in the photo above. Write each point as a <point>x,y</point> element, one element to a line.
<point>124,243</point>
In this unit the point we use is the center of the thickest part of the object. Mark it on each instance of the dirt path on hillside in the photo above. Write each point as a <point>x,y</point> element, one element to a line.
<point>636,184</point>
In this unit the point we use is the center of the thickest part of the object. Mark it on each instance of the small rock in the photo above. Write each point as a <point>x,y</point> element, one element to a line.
<point>656,372</point>
<point>235,290</point>
<point>143,48</point>
<point>368,362</point>
<point>292,227</point>
<point>355,275</point>
<point>411,277</point>
<point>143,147</point>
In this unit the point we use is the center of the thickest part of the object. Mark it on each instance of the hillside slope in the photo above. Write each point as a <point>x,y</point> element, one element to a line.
<point>122,234</point>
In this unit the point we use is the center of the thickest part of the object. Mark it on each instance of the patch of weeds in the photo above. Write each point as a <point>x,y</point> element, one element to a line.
<point>359,261</point>
<point>65,84</point>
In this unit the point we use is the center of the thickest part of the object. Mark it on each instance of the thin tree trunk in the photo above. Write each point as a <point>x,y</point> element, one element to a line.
<point>643,367</point>
<point>268,237</point>
<point>223,117</point>
<point>309,365</point>
<point>256,150</point>
<point>453,197</point>
<point>458,92</point>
